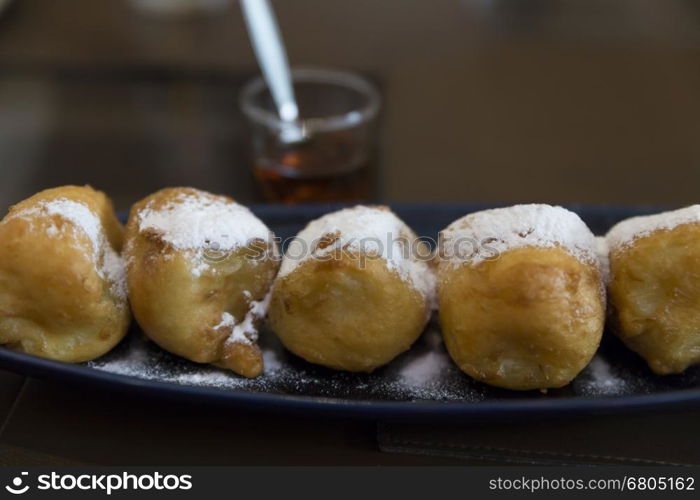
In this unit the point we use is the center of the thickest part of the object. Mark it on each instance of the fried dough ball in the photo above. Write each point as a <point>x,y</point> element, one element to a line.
<point>352,294</point>
<point>62,286</point>
<point>521,297</point>
<point>655,287</point>
<point>199,269</point>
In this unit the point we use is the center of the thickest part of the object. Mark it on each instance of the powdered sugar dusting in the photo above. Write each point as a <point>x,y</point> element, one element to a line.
<point>484,235</point>
<point>200,221</point>
<point>271,361</point>
<point>603,253</point>
<point>625,232</point>
<point>368,230</point>
<point>227,321</point>
<point>407,378</point>
<point>426,372</point>
<point>246,331</point>
<point>81,216</point>
<point>599,379</point>
<point>424,369</point>
<point>109,264</point>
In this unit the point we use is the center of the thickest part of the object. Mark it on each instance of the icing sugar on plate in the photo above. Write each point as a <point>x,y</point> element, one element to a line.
<point>625,232</point>
<point>501,229</point>
<point>372,230</point>
<point>600,379</point>
<point>424,375</point>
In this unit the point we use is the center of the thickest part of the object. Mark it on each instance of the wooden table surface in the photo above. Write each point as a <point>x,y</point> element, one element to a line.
<point>560,101</point>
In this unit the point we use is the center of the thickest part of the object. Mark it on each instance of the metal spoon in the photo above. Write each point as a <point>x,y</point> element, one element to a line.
<point>272,58</point>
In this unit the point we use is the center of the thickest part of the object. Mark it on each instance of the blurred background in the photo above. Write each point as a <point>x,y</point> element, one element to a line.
<point>594,101</point>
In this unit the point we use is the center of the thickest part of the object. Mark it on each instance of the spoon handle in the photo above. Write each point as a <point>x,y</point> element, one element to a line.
<point>269,50</point>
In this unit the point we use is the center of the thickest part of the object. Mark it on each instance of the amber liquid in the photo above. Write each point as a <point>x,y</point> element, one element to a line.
<point>327,168</point>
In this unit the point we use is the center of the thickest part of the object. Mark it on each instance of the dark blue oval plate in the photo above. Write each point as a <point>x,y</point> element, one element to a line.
<point>419,385</point>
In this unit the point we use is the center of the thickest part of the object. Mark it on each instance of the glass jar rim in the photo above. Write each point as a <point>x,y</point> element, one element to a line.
<point>344,79</point>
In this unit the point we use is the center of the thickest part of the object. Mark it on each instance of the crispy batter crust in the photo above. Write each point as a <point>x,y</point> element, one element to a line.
<point>655,297</point>
<point>53,303</point>
<point>531,319</point>
<point>182,312</point>
<point>347,313</point>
